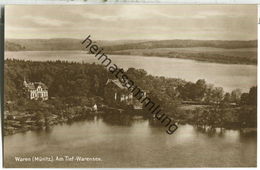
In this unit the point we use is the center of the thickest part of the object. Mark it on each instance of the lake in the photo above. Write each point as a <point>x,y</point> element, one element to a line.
<point>132,143</point>
<point>228,76</point>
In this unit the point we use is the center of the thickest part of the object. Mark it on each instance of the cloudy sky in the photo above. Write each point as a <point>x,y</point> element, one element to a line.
<point>113,22</point>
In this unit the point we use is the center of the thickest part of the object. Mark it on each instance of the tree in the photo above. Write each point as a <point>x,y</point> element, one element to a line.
<point>200,89</point>
<point>235,95</point>
<point>217,94</point>
<point>244,100</point>
<point>248,116</point>
<point>252,97</point>
<point>227,98</point>
<point>208,93</point>
<point>187,91</point>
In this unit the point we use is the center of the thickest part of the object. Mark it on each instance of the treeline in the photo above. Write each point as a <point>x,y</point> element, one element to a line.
<point>208,94</point>
<point>229,110</point>
<point>56,44</point>
<point>203,55</point>
<point>224,51</point>
<point>74,44</point>
<point>185,44</point>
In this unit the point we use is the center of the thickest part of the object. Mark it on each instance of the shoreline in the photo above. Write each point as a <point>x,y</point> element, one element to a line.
<point>140,55</point>
<point>107,113</point>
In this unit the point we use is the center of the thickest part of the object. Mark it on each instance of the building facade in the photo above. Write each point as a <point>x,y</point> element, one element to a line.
<point>117,94</point>
<point>36,90</point>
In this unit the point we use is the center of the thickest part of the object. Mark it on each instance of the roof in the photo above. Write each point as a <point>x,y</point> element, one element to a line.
<point>41,84</point>
<point>116,82</point>
<point>30,86</point>
<point>34,85</point>
<point>119,84</point>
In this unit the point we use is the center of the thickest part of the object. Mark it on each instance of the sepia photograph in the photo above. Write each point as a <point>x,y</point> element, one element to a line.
<point>130,86</point>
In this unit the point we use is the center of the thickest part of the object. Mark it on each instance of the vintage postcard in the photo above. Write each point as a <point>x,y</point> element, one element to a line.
<point>130,86</point>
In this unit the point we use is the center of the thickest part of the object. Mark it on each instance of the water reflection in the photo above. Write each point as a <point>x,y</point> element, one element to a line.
<point>135,142</point>
<point>115,119</point>
<point>211,131</point>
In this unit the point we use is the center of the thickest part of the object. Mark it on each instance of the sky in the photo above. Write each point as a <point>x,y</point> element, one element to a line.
<point>132,22</point>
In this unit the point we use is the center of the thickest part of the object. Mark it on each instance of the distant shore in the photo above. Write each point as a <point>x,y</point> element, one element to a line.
<point>219,59</point>
<point>223,56</point>
<point>227,52</point>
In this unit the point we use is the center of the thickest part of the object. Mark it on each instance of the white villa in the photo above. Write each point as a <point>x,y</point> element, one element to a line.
<point>36,90</point>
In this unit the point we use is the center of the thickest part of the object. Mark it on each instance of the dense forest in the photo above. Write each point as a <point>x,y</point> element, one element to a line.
<point>74,87</point>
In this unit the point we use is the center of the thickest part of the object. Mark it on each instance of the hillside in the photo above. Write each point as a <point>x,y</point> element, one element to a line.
<point>57,44</point>
<point>74,44</point>
<point>185,44</point>
<point>231,52</point>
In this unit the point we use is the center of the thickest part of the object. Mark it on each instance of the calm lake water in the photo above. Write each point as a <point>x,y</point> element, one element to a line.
<point>132,143</point>
<point>228,76</point>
